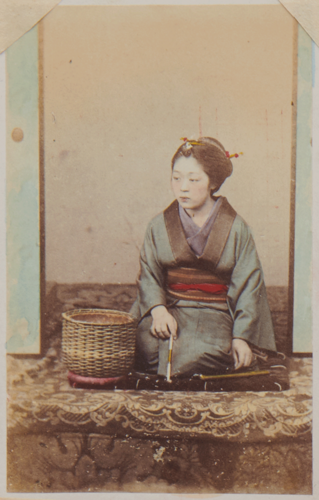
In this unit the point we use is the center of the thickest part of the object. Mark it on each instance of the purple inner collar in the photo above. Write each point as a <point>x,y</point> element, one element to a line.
<point>197,236</point>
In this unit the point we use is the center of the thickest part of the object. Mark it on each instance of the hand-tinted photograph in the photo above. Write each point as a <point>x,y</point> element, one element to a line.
<point>159,333</point>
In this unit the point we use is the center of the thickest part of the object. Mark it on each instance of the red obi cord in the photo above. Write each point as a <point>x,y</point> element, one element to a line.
<point>203,287</point>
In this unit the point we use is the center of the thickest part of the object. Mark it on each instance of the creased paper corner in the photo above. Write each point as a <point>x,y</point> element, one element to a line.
<point>19,16</point>
<point>306,12</point>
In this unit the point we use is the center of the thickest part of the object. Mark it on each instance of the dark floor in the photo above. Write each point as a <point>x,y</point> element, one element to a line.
<point>94,462</point>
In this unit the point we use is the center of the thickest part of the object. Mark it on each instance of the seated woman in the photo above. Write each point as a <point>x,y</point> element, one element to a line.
<point>200,277</point>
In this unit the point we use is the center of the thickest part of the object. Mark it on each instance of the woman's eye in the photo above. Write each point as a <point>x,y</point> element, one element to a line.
<point>176,178</point>
<point>194,180</point>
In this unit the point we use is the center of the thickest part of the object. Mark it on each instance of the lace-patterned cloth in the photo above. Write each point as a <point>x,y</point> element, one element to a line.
<point>40,397</point>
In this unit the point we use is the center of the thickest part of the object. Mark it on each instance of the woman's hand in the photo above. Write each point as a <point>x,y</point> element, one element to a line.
<point>164,324</point>
<point>242,353</point>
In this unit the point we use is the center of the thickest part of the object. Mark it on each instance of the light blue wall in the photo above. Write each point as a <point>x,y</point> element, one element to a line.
<point>302,316</point>
<point>23,249</point>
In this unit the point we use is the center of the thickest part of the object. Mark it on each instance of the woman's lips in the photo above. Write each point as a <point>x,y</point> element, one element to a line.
<point>184,198</point>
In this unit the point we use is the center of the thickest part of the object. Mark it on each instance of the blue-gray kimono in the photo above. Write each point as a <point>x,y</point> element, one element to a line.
<point>205,329</point>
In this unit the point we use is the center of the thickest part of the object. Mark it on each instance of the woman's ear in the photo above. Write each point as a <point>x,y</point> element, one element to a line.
<point>213,189</point>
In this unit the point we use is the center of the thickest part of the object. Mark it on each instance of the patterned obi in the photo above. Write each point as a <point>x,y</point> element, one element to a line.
<point>195,284</point>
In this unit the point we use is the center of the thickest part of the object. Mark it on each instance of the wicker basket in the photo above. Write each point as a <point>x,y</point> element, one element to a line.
<point>98,342</point>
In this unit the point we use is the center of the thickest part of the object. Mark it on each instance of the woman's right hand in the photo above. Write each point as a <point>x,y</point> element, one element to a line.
<point>164,324</point>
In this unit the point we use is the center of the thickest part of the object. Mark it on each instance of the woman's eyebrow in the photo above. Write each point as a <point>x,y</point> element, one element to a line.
<point>189,173</point>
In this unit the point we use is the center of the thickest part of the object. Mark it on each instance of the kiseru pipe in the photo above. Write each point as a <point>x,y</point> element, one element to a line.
<point>169,362</point>
<point>234,375</point>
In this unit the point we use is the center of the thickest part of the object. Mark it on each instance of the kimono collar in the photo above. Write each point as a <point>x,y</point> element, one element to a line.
<point>216,241</point>
<point>197,236</point>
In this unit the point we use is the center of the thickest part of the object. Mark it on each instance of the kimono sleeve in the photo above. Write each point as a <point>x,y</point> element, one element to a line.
<point>247,298</point>
<point>151,280</point>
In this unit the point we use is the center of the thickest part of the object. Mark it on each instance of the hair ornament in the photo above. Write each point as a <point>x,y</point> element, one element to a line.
<point>191,143</point>
<point>234,155</point>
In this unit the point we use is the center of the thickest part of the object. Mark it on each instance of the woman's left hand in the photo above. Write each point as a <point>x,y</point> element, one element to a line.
<point>242,353</point>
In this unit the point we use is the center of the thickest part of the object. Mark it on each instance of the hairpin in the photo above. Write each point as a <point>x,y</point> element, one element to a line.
<point>191,143</point>
<point>234,155</point>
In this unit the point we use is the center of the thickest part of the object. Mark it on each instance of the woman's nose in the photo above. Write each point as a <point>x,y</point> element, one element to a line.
<point>184,185</point>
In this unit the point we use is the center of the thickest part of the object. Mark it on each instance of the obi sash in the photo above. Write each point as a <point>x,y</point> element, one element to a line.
<point>195,284</point>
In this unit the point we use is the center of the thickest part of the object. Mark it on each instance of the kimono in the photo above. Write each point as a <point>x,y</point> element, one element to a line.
<point>206,326</point>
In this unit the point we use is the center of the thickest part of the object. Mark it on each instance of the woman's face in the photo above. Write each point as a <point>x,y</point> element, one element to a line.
<point>190,184</point>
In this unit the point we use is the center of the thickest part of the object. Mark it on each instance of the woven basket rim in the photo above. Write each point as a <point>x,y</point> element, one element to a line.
<point>66,316</point>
